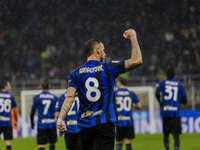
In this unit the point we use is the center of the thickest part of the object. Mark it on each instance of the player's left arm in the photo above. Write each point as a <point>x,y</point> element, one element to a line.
<point>136,55</point>
<point>15,114</point>
<point>136,103</point>
<point>71,92</point>
<point>182,96</point>
<point>14,106</point>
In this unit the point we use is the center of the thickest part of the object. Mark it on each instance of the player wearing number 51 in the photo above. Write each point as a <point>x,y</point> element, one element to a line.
<point>45,103</point>
<point>173,94</point>
<point>7,102</point>
<point>95,83</point>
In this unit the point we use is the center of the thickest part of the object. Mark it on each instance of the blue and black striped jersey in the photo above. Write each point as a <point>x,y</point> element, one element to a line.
<point>72,115</point>
<point>95,83</point>
<point>45,103</point>
<point>7,101</point>
<point>125,99</point>
<point>172,94</point>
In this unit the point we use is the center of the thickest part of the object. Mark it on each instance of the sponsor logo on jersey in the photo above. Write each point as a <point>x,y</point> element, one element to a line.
<point>120,117</point>
<point>170,108</point>
<point>91,70</point>
<point>115,61</point>
<point>72,122</point>
<point>91,113</point>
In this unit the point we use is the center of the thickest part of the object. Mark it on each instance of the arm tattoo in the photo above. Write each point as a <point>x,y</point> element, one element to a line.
<point>136,56</point>
<point>67,103</point>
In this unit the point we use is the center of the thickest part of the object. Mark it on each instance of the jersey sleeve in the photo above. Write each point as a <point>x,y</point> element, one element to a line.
<point>116,67</point>
<point>182,96</point>
<point>14,104</point>
<point>134,98</point>
<point>34,103</point>
<point>59,103</point>
<point>71,81</point>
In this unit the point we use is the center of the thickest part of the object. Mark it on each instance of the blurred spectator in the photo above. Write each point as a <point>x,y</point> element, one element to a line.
<point>44,39</point>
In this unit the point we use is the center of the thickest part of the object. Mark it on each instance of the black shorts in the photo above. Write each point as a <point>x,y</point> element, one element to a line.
<point>171,125</point>
<point>124,133</point>
<point>7,133</point>
<point>46,135</point>
<point>99,137</point>
<point>72,141</point>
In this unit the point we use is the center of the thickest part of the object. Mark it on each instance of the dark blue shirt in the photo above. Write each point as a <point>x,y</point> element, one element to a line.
<point>72,115</point>
<point>45,103</point>
<point>7,101</point>
<point>172,94</point>
<point>125,99</point>
<point>95,83</point>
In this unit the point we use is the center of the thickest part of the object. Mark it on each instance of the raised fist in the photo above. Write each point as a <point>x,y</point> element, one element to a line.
<point>130,33</point>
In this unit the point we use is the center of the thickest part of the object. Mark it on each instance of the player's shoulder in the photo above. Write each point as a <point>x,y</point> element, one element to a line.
<point>78,68</point>
<point>113,62</point>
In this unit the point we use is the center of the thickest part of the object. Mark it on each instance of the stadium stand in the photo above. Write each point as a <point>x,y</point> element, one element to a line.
<point>40,39</point>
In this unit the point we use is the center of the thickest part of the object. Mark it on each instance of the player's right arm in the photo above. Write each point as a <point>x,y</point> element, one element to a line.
<point>71,92</point>
<point>136,55</point>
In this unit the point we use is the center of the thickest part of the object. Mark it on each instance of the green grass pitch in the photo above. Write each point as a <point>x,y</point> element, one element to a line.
<point>188,141</point>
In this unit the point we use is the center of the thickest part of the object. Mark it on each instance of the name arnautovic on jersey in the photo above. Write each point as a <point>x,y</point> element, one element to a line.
<point>91,70</point>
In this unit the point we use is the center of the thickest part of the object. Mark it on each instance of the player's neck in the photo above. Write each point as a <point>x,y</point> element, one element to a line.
<point>122,87</point>
<point>45,90</point>
<point>93,57</point>
<point>4,90</point>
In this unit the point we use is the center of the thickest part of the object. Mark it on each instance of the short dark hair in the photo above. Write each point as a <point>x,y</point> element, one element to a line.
<point>89,46</point>
<point>123,80</point>
<point>170,72</point>
<point>3,83</point>
<point>45,84</point>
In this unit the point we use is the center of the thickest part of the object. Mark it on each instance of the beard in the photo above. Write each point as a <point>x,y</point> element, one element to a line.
<point>103,60</point>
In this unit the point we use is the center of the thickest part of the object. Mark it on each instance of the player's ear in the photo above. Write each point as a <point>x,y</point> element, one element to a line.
<point>98,51</point>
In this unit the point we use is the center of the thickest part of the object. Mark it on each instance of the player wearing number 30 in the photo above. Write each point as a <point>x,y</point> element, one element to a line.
<point>95,83</point>
<point>126,100</point>
<point>45,103</point>
<point>173,94</point>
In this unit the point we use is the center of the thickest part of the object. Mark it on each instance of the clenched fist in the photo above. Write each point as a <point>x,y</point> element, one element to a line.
<point>129,34</point>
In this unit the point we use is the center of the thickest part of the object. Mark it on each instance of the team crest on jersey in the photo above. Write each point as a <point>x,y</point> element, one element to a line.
<point>115,61</point>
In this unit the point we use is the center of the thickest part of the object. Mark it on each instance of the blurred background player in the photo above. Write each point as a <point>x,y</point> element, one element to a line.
<point>95,83</point>
<point>7,102</point>
<point>71,135</point>
<point>125,100</point>
<point>173,94</point>
<point>45,103</point>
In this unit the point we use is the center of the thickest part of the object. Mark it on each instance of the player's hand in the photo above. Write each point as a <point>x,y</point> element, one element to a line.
<point>16,125</point>
<point>61,125</point>
<point>129,34</point>
<point>32,125</point>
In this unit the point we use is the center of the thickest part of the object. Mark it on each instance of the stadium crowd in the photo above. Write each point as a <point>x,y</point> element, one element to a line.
<point>40,39</point>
